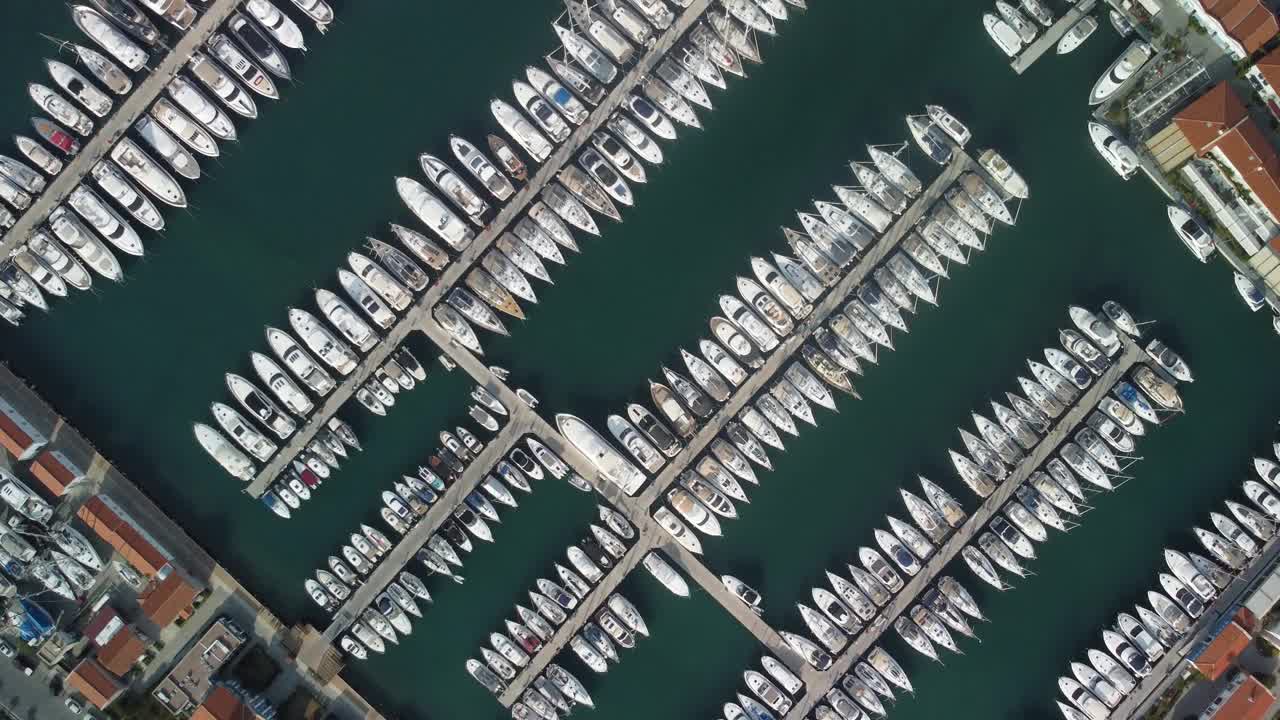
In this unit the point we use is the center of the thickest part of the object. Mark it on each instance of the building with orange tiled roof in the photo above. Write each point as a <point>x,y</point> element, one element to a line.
<point>119,647</point>
<point>1236,154</point>
<point>1241,27</point>
<point>168,598</point>
<point>1220,655</point>
<point>222,704</point>
<point>1244,698</point>
<point>94,683</point>
<point>18,435</point>
<point>111,524</point>
<point>55,471</point>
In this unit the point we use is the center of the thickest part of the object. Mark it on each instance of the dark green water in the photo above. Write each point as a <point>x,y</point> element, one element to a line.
<point>133,366</point>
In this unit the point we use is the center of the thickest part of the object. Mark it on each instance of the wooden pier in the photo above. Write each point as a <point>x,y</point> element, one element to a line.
<point>117,124</point>
<point>1066,426</point>
<point>1050,37</point>
<point>420,311</point>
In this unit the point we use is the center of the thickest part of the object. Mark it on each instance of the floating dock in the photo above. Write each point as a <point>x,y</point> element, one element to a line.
<point>1050,37</point>
<point>1070,421</point>
<point>117,125</point>
<point>651,535</point>
<point>420,311</point>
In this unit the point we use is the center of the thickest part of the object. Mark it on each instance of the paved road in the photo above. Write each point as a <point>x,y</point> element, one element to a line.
<point>30,698</point>
<point>117,124</point>
<point>421,309</point>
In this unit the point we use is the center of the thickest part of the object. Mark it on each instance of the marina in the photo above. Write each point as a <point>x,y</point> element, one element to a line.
<point>1066,425</point>
<point>420,312</point>
<point>1034,262</point>
<point>115,126</point>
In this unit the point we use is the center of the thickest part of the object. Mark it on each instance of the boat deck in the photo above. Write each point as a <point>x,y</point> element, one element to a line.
<point>816,684</point>
<point>117,124</point>
<point>420,312</point>
<point>1048,39</point>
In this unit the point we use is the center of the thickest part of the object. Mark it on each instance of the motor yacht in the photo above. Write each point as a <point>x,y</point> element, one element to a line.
<point>1222,549</point>
<point>1077,34</point>
<point>1255,522</point>
<point>1124,67</point>
<point>252,39</point>
<point>1132,632</point>
<point>236,463</point>
<point>435,215</point>
<point>104,33</point>
<point>1005,37</point>
<point>277,24</point>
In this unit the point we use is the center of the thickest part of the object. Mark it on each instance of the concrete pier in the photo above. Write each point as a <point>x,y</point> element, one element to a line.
<point>399,557</point>
<point>420,311</point>
<point>117,124</point>
<point>975,524</point>
<point>637,508</point>
<point>1048,39</point>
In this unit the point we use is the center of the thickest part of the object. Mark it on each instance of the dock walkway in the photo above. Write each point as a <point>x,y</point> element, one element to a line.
<point>436,292</point>
<point>974,525</point>
<point>1050,37</point>
<point>651,535</point>
<point>399,557</point>
<point>117,124</point>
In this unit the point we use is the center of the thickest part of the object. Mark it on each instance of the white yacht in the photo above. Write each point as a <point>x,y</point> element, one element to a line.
<point>1192,232</point>
<point>236,463</point>
<point>481,168</point>
<point>111,180</point>
<point>1125,66</point>
<point>85,243</point>
<point>612,464</point>
<point>60,109</point>
<point>1118,155</point>
<point>334,352</point>
<point>242,432</point>
<point>200,107</point>
<point>299,362</point>
<point>434,214</point>
<point>318,10</point>
<point>167,147</point>
<point>105,34</point>
<point>665,574</point>
<point>79,88</point>
<point>280,26</point>
<point>242,67</point>
<point>1020,23</point>
<point>55,255</point>
<point>142,168</point>
<point>102,68</point>
<point>191,133</point>
<point>105,220</point>
<point>1077,34</point>
<point>257,44</point>
<point>1005,37</point>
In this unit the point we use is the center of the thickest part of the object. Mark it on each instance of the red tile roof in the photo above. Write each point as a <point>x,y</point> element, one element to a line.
<point>119,647</point>
<point>122,536</point>
<point>1269,66</point>
<point>12,438</point>
<point>1220,655</point>
<point>168,599</point>
<point>94,683</point>
<point>1218,120</point>
<point>1249,22</point>
<point>222,704</point>
<point>1250,701</point>
<point>50,470</point>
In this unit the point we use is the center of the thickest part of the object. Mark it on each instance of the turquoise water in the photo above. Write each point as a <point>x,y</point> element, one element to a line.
<point>133,366</point>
